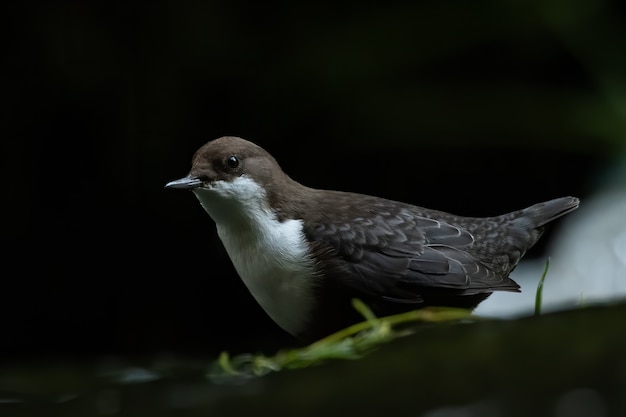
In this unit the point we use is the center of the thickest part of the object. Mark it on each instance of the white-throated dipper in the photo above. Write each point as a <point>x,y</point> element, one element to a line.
<point>304,253</point>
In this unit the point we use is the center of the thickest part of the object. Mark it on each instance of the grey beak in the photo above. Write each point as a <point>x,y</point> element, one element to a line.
<point>186,183</point>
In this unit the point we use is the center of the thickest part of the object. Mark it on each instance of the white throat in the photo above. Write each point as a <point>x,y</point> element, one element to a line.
<point>270,256</point>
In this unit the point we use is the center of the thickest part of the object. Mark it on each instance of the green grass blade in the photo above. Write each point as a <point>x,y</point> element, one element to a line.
<point>539,294</point>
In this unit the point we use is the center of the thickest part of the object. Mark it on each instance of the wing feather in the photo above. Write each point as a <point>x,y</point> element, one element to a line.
<point>399,256</point>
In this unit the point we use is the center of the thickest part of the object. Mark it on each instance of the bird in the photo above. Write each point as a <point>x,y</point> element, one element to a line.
<point>305,253</point>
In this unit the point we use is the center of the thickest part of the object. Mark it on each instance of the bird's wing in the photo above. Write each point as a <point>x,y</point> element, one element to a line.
<point>397,256</point>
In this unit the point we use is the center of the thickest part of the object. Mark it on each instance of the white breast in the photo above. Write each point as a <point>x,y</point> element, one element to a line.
<point>270,256</point>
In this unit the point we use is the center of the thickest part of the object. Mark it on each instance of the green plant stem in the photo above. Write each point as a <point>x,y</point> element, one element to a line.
<point>539,294</point>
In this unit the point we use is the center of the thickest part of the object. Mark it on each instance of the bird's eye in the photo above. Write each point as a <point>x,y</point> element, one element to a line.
<point>232,161</point>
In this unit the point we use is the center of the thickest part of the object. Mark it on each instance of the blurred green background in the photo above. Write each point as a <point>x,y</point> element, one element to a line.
<point>472,107</point>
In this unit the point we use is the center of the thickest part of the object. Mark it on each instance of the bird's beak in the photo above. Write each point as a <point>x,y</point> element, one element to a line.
<point>186,183</point>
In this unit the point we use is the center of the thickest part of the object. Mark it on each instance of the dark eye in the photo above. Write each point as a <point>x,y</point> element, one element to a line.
<point>232,161</point>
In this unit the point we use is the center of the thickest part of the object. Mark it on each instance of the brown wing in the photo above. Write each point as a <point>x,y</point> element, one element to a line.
<point>398,256</point>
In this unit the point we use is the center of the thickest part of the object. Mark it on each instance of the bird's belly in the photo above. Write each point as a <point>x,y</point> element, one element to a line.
<point>277,270</point>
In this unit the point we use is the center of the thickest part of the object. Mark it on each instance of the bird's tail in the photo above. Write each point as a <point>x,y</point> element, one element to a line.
<point>525,226</point>
<point>540,214</point>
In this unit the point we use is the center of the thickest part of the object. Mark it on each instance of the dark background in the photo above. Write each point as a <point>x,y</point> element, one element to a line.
<point>472,107</point>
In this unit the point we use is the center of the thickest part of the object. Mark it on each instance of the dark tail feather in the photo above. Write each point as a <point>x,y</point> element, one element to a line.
<point>542,213</point>
<point>526,226</point>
